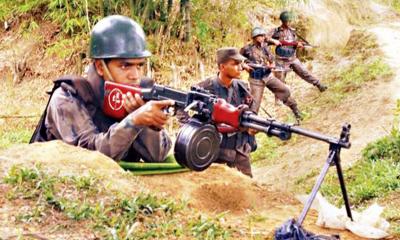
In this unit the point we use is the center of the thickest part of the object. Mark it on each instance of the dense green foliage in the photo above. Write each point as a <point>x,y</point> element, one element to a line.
<point>213,23</point>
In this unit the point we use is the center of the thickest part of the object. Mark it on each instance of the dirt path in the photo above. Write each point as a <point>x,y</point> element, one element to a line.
<point>370,112</point>
<point>389,40</point>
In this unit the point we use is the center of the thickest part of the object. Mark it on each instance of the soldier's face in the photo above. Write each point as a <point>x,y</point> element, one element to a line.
<point>231,68</point>
<point>126,71</point>
<point>286,23</point>
<point>259,38</point>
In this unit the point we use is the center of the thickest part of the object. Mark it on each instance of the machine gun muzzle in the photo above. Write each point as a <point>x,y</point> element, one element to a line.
<point>284,131</point>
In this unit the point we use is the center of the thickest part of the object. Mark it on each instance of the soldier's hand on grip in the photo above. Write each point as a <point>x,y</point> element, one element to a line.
<point>151,114</point>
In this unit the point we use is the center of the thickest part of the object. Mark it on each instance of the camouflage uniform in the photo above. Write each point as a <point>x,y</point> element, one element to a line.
<point>286,57</point>
<point>235,147</point>
<point>262,55</point>
<point>74,115</point>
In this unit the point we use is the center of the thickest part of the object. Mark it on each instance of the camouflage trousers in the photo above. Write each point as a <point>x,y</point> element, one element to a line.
<point>237,158</point>
<point>277,87</point>
<point>297,67</point>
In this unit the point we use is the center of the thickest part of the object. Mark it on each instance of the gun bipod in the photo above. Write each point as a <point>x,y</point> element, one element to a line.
<point>333,159</point>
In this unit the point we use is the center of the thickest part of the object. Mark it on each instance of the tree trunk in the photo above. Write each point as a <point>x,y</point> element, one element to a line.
<point>185,9</point>
<point>169,6</point>
<point>101,7</point>
<point>106,7</point>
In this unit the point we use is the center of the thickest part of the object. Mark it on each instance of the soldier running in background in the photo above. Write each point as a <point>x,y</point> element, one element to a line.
<point>285,38</point>
<point>259,64</point>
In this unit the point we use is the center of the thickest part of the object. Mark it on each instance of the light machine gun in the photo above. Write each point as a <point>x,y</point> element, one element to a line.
<point>197,144</point>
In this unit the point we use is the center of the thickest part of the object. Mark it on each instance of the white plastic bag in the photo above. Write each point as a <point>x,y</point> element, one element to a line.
<point>367,224</point>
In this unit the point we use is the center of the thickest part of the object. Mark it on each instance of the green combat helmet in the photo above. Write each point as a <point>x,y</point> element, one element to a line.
<point>118,36</point>
<point>286,16</point>
<point>257,31</point>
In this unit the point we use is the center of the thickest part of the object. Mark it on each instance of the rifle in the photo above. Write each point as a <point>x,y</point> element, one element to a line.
<point>306,43</point>
<point>262,70</point>
<point>197,144</point>
<point>259,70</point>
<point>295,43</point>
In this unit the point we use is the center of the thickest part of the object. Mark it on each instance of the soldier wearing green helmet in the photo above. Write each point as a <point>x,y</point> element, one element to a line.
<point>258,54</point>
<point>286,16</point>
<point>74,113</point>
<point>286,41</point>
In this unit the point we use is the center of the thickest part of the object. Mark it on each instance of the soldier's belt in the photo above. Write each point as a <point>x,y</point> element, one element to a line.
<point>260,73</point>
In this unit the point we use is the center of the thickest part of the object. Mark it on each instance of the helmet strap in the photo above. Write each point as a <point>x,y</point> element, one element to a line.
<point>106,70</point>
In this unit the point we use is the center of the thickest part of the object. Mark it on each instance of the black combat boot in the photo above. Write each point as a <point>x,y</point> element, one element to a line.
<point>321,87</point>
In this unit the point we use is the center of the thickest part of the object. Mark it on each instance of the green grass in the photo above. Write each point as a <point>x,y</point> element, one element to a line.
<point>266,149</point>
<point>346,81</point>
<point>360,63</point>
<point>365,181</point>
<point>17,135</point>
<point>373,176</point>
<point>110,215</point>
<point>392,214</point>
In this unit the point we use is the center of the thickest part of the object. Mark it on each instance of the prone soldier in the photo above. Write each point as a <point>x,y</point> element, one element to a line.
<point>75,113</point>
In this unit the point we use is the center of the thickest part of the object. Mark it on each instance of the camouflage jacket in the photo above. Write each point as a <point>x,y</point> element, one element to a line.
<point>284,34</point>
<point>257,54</point>
<point>74,115</point>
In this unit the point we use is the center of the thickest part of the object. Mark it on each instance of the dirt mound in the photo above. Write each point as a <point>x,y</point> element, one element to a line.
<point>219,197</point>
<point>59,158</point>
<point>219,189</point>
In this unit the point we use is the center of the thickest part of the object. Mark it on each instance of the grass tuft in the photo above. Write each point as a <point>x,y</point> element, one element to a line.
<point>110,215</point>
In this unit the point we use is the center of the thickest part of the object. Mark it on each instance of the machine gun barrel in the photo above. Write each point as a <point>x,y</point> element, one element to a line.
<point>284,131</point>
